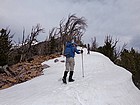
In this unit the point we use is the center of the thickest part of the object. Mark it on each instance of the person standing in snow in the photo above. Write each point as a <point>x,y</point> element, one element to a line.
<point>69,53</point>
<point>88,49</point>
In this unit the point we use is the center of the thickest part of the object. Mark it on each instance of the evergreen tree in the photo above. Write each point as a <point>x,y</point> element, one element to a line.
<point>109,48</point>
<point>5,46</point>
<point>131,61</point>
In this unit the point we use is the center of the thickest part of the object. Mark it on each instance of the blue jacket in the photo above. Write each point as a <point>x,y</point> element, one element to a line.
<point>70,50</point>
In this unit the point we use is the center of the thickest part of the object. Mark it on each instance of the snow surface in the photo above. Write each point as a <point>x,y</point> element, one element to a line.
<point>104,84</point>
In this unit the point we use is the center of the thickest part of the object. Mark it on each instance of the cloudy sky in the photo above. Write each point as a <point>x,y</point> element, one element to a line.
<point>117,18</point>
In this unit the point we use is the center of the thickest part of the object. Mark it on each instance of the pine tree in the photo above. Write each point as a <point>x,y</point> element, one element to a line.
<point>109,48</point>
<point>5,46</point>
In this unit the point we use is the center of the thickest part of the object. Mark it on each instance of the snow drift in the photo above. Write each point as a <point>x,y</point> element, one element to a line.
<point>104,84</point>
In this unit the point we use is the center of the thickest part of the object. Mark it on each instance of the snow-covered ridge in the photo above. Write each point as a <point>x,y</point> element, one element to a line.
<point>104,84</point>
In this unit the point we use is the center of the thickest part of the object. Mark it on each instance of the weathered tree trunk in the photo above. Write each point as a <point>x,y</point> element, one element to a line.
<point>5,69</point>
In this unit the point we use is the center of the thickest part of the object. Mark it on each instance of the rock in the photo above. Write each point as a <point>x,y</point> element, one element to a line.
<point>44,66</point>
<point>62,61</point>
<point>24,71</point>
<point>12,80</point>
<point>2,84</point>
<point>56,60</point>
<point>5,86</point>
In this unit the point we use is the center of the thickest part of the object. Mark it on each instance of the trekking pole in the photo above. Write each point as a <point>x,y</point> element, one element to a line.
<point>82,66</point>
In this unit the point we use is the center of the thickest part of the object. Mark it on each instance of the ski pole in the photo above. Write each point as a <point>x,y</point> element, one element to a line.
<point>82,66</point>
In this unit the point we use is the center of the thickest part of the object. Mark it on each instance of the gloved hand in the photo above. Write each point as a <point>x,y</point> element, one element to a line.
<point>82,51</point>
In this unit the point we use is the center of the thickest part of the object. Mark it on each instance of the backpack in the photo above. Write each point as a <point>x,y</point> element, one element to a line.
<point>67,52</point>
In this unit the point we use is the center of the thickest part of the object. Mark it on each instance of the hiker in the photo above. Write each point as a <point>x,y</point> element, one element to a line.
<point>69,53</point>
<point>88,49</point>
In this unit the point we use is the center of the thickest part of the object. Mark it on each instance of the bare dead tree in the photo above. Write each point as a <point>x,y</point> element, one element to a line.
<point>109,40</point>
<point>73,28</point>
<point>93,44</point>
<point>120,50</point>
<point>26,48</point>
<point>110,48</point>
<point>53,33</point>
<point>53,40</point>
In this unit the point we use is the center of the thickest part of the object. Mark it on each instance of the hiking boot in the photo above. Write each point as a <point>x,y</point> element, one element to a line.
<point>70,77</point>
<point>71,80</point>
<point>64,81</point>
<point>64,77</point>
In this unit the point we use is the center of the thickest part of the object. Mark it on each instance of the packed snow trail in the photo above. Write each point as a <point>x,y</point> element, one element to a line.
<point>103,84</point>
